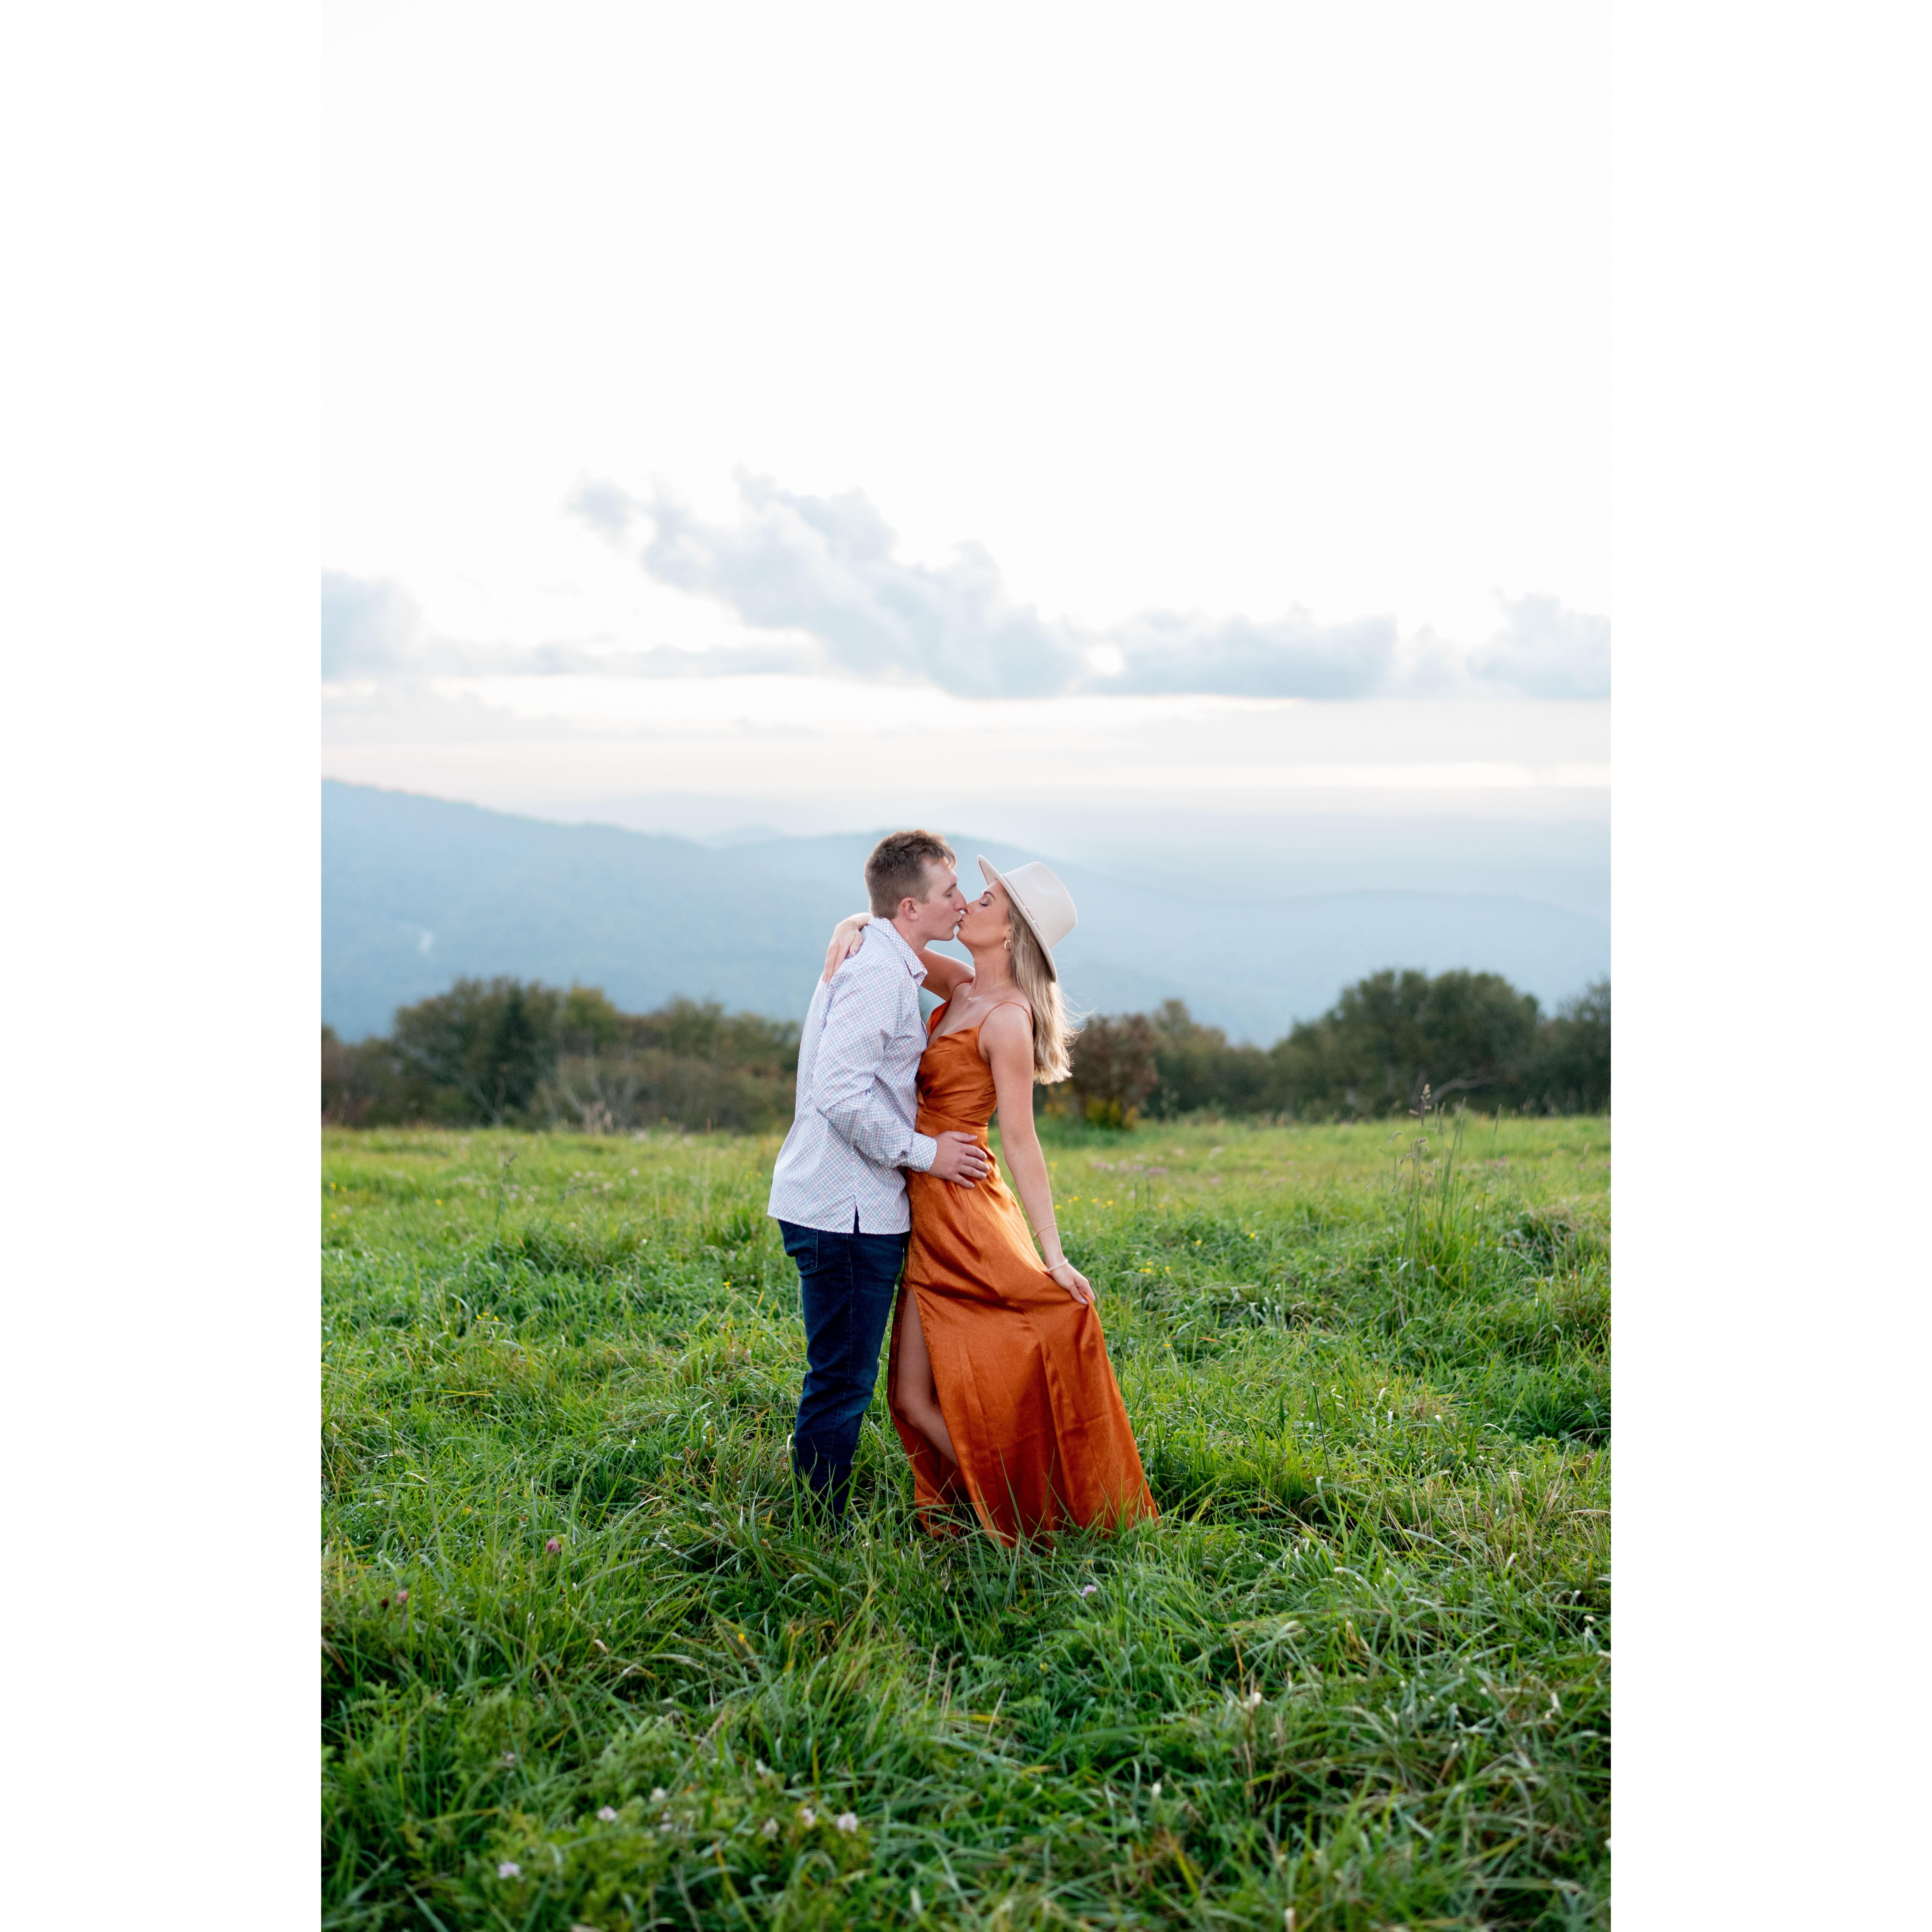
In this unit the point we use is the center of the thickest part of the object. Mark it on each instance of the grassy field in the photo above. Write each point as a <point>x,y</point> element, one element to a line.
<point>584,1667</point>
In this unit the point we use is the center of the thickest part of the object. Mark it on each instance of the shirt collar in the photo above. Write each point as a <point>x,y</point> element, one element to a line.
<point>906,955</point>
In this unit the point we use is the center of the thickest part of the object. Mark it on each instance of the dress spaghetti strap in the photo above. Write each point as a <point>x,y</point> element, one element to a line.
<point>932,1019</point>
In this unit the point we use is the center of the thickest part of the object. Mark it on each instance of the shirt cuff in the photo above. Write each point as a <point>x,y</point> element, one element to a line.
<point>924,1152</point>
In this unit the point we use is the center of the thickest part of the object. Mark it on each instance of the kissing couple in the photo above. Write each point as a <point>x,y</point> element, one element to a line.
<point>998,1382</point>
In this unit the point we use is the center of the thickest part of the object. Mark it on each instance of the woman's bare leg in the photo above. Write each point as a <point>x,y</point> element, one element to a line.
<point>918,1396</point>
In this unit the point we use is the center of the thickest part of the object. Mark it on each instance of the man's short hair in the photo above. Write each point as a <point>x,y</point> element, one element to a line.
<point>897,871</point>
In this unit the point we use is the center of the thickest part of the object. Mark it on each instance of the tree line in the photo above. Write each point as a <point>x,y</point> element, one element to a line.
<point>1369,1056</point>
<point>515,1052</point>
<point>507,1052</point>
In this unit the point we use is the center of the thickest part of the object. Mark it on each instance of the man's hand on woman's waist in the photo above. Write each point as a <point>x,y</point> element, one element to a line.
<point>960,1158</point>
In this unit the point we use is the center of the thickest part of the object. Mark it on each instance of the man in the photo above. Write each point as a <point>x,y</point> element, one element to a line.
<point>838,1191</point>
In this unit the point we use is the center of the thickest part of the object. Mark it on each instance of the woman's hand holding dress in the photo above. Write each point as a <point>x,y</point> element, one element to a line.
<point>1075,1283</point>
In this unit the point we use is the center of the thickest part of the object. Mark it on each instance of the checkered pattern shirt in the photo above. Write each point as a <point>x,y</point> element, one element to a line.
<point>857,1061</point>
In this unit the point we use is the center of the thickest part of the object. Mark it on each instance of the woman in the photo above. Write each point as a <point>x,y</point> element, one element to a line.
<point>998,1380</point>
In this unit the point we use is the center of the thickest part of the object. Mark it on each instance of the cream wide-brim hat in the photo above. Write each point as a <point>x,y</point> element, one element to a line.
<point>1041,900</point>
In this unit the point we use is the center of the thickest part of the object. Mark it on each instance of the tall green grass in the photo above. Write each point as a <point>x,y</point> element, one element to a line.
<point>584,1665</point>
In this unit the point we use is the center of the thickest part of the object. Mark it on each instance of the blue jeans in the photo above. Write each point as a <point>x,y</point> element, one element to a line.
<point>845,1285</point>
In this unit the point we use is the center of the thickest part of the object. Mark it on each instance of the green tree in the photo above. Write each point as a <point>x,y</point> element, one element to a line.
<point>692,1030</point>
<point>1570,1073</point>
<point>588,1023</point>
<point>1198,1069</point>
<point>483,1048</point>
<point>1372,1051</point>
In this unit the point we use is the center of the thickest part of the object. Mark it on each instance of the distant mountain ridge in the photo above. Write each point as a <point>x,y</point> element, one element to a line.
<point>417,891</point>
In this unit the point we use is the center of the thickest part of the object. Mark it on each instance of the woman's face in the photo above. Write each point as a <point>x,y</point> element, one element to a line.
<point>987,920</point>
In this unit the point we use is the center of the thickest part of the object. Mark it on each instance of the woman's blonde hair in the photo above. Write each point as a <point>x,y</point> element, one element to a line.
<point>1053,1026</point>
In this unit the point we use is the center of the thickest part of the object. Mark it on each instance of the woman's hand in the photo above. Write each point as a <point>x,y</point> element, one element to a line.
<point>847,936</point>
<point>1075,1283</point>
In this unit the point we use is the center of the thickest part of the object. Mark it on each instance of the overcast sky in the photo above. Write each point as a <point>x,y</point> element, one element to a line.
<point>1208,404</point>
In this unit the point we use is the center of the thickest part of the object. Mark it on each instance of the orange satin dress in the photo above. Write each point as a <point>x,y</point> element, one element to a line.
<point>1021,1367</point>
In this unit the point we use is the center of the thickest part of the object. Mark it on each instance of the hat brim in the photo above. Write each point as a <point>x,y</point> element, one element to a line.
<point>1019,904</point>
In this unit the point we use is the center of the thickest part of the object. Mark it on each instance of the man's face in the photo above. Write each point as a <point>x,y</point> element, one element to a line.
<point>938,918</point>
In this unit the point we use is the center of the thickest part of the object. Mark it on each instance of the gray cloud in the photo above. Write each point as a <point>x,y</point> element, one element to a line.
<point>1289,657</point>
<point>604,507</point>
<point>367,627</point>
<point>825,567</point>
<point>1544,650</point>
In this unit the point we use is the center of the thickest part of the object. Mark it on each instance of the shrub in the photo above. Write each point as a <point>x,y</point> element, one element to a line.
<point>621,1091</point>
<point>1114,1070</point>
<point>363,1083</point>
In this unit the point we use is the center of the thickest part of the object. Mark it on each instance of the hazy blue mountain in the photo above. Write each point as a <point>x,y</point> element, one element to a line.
<point>416,891</point>
<point>1280,853</point>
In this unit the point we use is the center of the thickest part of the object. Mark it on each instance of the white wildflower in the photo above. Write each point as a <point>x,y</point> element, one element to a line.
<point>1155,1791</point>
<point>658,1794</point>
<point>847,1821</point>
<point>509,1869</point>
<point>1089,1589</point>
<point>608,1813</point>
<point>1252,1702</point>
<point>808,1815</point>
<point>509,1757</point>
<point>768,1829</point>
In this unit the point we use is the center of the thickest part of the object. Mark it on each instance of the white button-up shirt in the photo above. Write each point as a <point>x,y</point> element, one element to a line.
<point>858,1059</point>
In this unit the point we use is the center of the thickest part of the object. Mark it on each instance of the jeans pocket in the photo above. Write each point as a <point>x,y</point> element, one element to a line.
<point>801,1244</point>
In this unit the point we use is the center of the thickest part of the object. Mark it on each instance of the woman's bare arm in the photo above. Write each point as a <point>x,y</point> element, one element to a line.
<point>1006,1038</point>
<point>943,976</point>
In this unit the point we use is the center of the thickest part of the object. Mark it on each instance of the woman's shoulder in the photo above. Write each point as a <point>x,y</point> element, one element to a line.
<point>1010,1020</point>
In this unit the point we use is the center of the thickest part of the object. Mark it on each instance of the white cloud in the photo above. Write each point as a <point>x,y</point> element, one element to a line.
<point>826,569</point>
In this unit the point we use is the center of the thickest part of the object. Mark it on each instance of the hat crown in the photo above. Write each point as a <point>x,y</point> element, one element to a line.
<point>1041,900</point>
